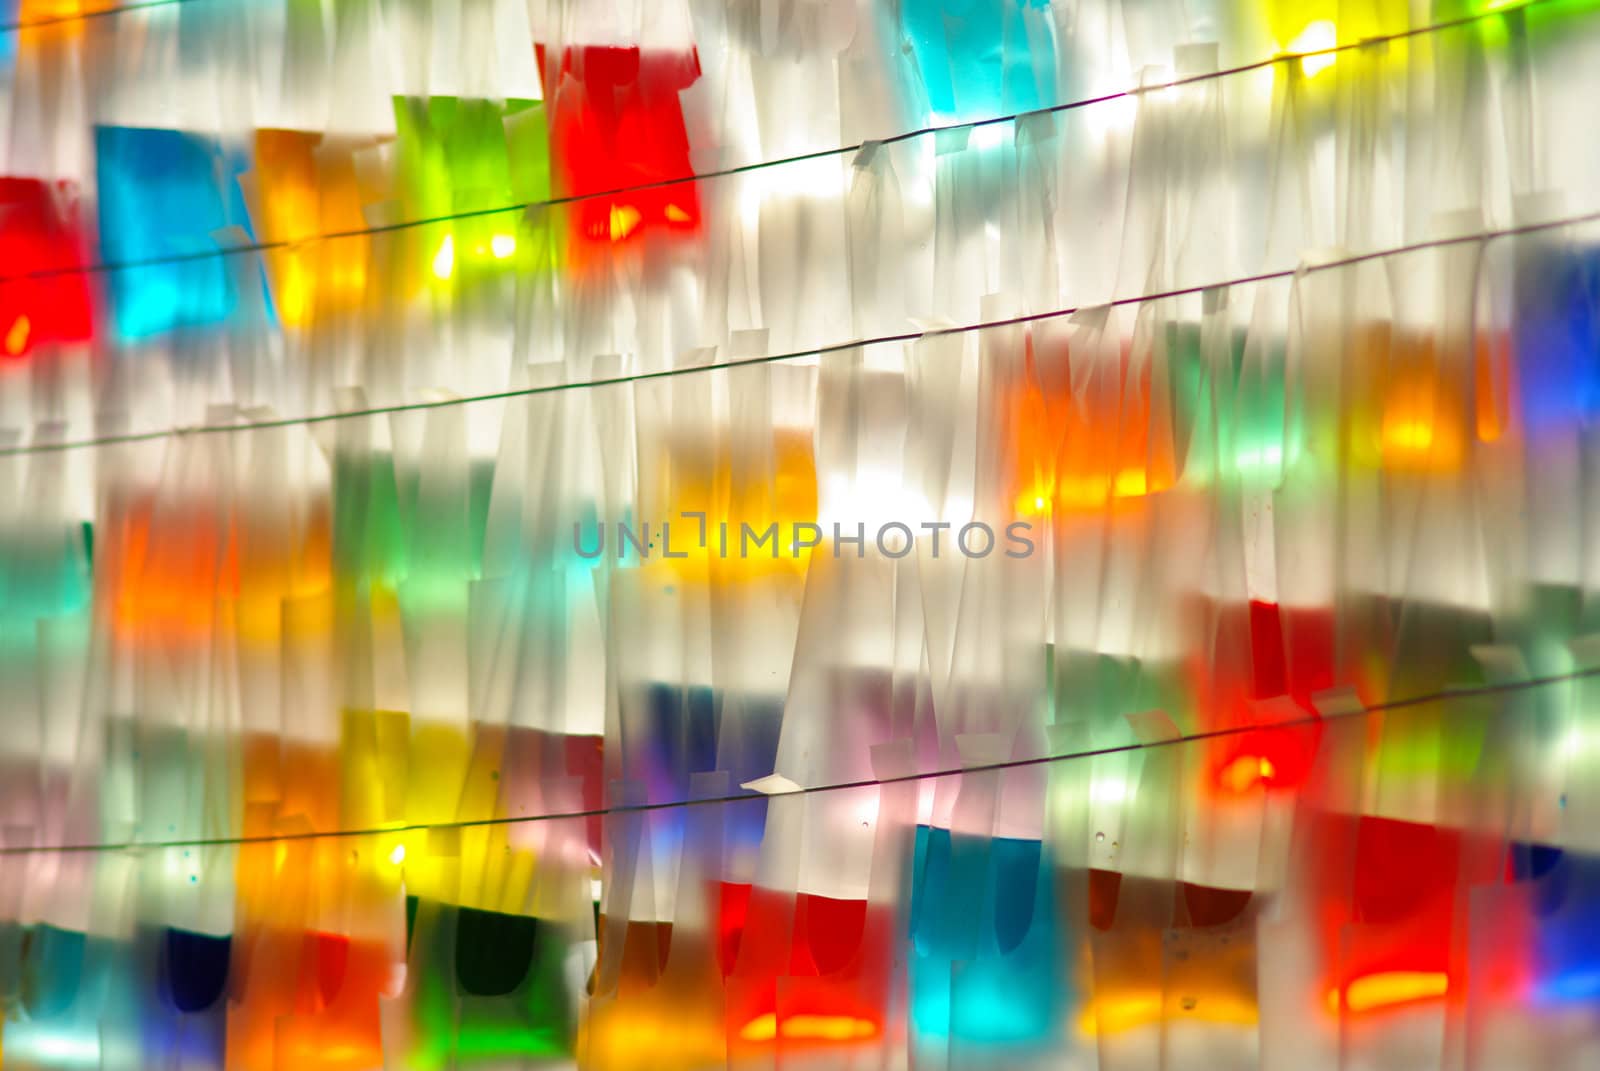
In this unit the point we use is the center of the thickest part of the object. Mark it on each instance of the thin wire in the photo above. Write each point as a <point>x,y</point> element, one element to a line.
<point>401,225</point>
<point>1446,694</point>
<point>821,351</point>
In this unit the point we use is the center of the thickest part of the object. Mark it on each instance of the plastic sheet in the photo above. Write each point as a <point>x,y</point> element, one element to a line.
<point>799,533</point>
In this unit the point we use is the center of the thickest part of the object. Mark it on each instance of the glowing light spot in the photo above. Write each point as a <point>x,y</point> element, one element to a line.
<point>1389,988</point>
<point>444,261</point>
<point>17,337</point>
<point>828,1027</point>
<point>809,1028</point>
<point>1574,743</point>
<point>624,221</point>
<point>1035,498</point>
<point>1118,115</point>
<point>52,1049</point>
<point>1267,457</point>
<point>1114,1014</point>
<point>1130,483</point>
<point>502,246</point>
<point>1569,986</point>
<point>989,136</point>
<point>873,497</point>
<point>1108,790</point>
<point>1412,435</point>
<point>1246,772</point>
<point>676,215</point>
<point>1317,37</point>
<point>398,856</point>
<point>1121,1013</point>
